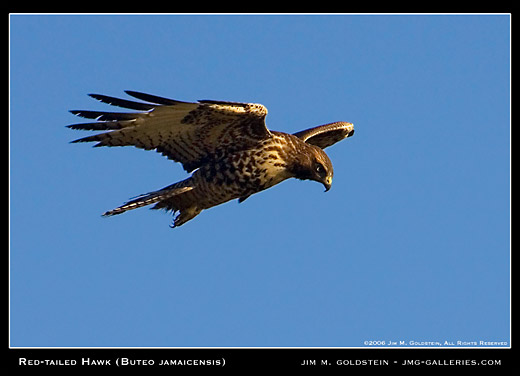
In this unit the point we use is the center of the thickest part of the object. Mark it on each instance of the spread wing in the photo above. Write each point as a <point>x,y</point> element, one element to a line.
<point>326,135</point>
<point>189,133</point>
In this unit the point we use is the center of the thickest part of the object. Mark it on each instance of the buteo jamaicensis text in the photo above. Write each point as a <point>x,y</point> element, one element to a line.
<point>226,145</point>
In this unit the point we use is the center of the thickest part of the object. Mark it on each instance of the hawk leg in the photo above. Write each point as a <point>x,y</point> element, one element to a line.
<point>185,215</point>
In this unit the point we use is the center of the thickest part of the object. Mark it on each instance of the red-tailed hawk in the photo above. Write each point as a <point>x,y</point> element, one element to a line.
<point>227,146</point>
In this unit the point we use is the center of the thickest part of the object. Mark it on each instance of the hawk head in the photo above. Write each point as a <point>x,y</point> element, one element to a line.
<point>314,165</point>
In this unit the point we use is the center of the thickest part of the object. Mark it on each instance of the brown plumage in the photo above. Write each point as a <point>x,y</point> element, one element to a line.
<point>227,146</point>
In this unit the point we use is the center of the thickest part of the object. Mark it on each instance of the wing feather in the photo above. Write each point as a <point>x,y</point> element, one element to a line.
<point>124,103</point>
<point>152,98</point>
<point>189,133</point>
<point>104,116</point>
<point>326,135</point>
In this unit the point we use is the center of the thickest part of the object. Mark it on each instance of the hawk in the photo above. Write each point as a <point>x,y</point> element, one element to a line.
<point>226,145</point>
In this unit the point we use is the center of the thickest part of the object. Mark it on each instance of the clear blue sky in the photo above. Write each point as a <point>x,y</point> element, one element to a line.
<point>412,243</point>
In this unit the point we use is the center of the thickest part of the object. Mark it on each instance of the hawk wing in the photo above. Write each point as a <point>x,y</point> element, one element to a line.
<point>326,135</point>
<point>189,133</point>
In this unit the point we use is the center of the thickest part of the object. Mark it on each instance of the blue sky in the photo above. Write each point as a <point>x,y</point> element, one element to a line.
<point>412,243</point>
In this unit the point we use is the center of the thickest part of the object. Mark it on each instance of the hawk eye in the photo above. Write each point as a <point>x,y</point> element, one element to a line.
<point>320,170</point>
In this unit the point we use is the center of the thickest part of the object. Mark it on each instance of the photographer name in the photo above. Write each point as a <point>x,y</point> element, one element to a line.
<point>435,343</point>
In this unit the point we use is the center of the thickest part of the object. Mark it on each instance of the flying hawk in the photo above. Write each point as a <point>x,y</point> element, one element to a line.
<point>226,144</point>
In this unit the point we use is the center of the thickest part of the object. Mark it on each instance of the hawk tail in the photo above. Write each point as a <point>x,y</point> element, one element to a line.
<point>149,198</point>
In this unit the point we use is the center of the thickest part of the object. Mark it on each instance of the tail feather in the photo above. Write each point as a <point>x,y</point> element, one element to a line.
<point>148,198</point>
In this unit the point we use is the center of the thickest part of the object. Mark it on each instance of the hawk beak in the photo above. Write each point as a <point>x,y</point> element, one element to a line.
<point>327,183</point>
